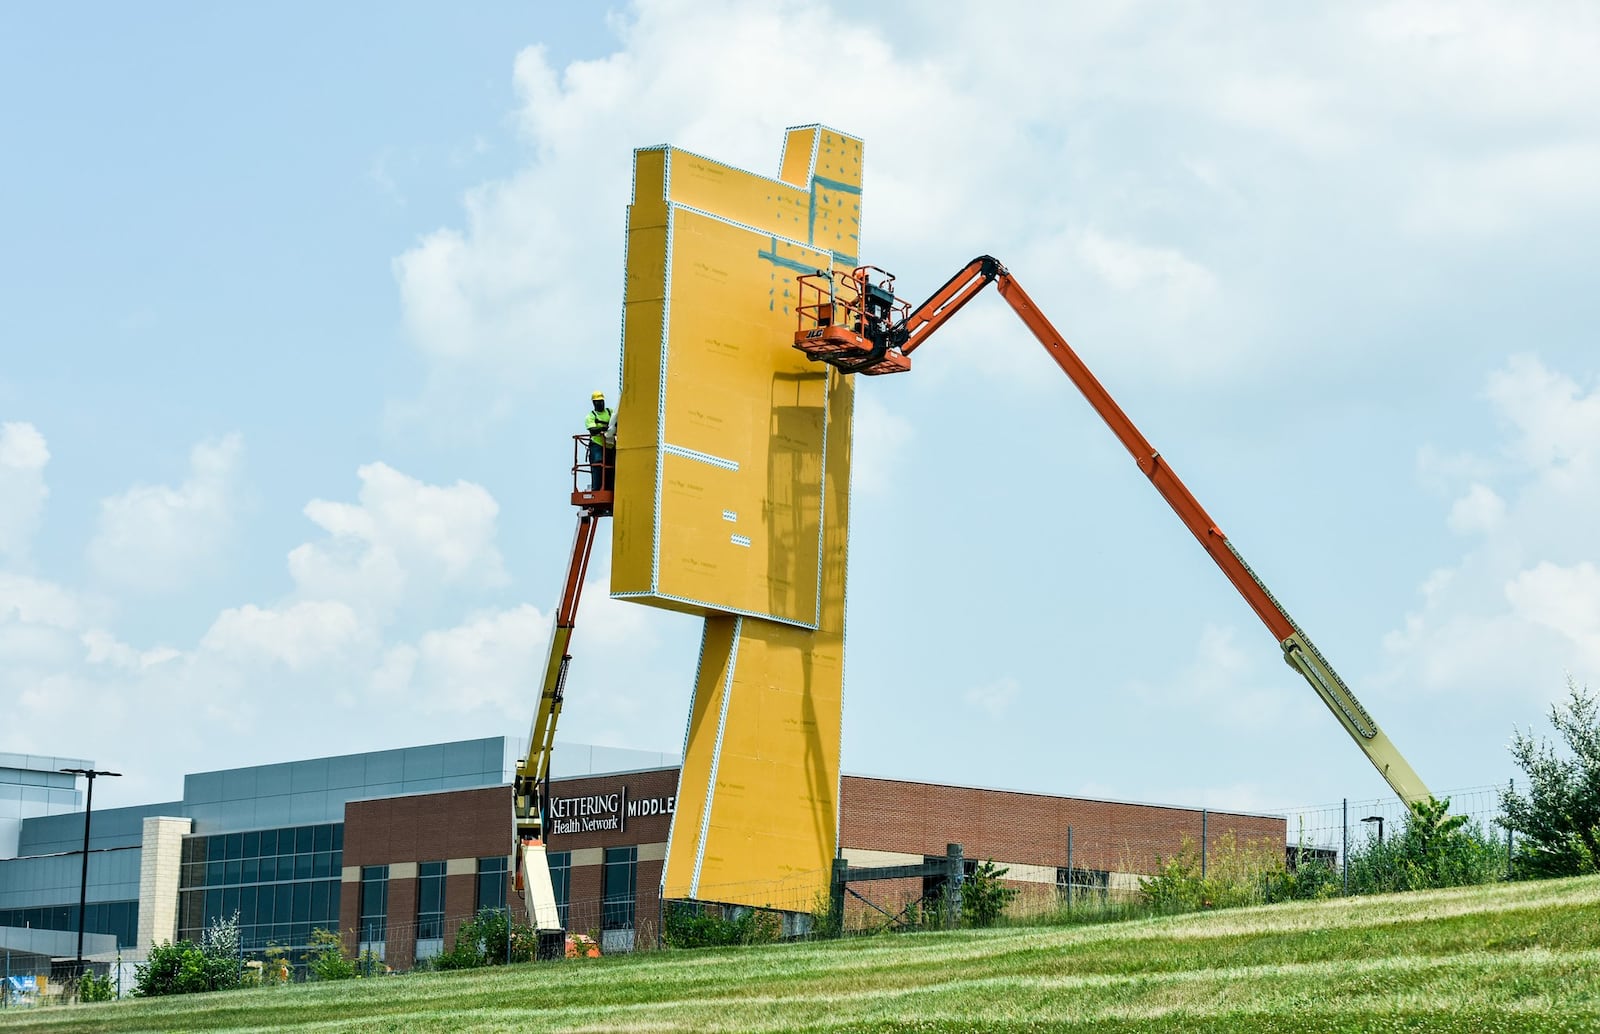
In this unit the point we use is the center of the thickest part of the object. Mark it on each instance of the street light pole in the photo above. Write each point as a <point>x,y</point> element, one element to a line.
<point>83,882</point>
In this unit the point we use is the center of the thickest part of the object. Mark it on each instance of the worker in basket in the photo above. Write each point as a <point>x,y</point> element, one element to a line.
<point>596,421</point>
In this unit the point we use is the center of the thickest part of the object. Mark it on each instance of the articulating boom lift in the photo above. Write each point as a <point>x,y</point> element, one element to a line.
<point>856,324</point>
<point>530,803</point>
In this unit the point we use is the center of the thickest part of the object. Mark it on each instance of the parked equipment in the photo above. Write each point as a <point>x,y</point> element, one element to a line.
<point>854,322</point>
<point>530,807</point>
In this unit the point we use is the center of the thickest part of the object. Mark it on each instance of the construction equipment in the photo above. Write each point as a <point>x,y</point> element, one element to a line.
<point>531,791</point>
<point>854,322</point>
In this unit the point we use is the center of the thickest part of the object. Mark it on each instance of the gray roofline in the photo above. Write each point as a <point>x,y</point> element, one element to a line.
<point>41,762</point>
<point>341,757</point>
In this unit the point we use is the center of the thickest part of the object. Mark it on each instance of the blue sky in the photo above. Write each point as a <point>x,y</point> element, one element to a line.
<point>297,305</point>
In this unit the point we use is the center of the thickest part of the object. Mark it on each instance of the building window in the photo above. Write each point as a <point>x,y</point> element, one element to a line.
<point>1082,884</point>
<point>561,880</point>
<point>620,879</point>
<point>618,884</point>
<point>491,883</point>
<point>284,883</point>
<point>430,909</point>
<point>374,907</point>
<point>114,917</point>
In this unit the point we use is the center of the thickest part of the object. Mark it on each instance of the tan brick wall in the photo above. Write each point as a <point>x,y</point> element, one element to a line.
<point>160,863</point>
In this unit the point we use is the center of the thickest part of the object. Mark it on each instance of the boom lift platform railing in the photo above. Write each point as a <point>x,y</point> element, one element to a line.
<point>855,323</point>
<point>531,790</point>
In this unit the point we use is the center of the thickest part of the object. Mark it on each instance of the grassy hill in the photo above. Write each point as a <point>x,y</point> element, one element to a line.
<point>1501,958</point>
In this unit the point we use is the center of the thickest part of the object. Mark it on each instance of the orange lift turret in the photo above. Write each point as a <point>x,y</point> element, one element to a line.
<point>855,323</point>
<point>531,790</point>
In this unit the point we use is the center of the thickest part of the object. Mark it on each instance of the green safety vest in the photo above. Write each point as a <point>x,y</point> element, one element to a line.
<point>596,423</point>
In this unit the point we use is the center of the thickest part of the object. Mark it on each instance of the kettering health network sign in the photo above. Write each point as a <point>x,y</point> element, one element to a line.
<point>605,812</point>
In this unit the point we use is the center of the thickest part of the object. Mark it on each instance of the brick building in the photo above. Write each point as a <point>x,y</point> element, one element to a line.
<point>396,849</point>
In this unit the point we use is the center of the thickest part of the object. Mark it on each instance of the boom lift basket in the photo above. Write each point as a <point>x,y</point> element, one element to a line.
<point>852,321</point>
<point>586,472</point>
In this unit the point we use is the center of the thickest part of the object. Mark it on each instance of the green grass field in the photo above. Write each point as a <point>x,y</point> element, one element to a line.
<point>1500,958</point>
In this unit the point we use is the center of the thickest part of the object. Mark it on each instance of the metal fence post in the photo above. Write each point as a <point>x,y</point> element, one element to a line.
<point>1204,817</point>
<point>836,896</point>
<point>1071,875</point>
<point>956,870</point>
<point>1511,786</point>
<point>1344,855</point>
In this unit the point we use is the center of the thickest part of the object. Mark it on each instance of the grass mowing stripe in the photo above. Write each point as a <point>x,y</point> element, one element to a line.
<point>1507,957</point>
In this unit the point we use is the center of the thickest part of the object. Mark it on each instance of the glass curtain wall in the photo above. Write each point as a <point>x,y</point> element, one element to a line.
<point>283,883</point>
<point>374,909</point>
<point>430,909</point>
<point>619,887</point>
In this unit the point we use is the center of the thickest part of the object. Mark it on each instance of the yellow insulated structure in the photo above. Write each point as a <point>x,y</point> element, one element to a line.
<point>732,500</point>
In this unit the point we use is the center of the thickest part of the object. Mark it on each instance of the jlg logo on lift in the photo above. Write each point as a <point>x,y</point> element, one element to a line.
<point>816,333</point>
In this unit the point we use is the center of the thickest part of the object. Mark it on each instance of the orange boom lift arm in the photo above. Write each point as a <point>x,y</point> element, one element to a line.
<point>531,791</point>
<point>855,323</point>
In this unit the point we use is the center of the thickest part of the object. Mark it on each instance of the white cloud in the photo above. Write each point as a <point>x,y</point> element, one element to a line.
<point>1564,599</point>
<point>34,601</point>
<point>1198,213</point>
<point>1224,685</point>
<point>298,636</point>
<point>881,438</point>
<point>1553,422</point>
<point>23,456</point>
<point>1522,604</point>
<point>1480,510</point>
<point>402,534</point>
<point>104,648</point>
<point>492,661</point>
<point>1128,266</point>
<point>335,640</point>
<point>993,699</point>
<point>155,538</point>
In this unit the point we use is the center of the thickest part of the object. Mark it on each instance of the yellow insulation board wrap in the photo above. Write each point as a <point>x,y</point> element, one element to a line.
<point>733,474</point>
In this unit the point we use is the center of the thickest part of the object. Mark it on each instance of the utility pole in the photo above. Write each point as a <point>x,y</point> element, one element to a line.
<point>83,882</point>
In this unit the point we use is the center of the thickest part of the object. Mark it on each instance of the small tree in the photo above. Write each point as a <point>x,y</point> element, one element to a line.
<point>482,942</point>
<point>325,958</point>
<point>95,989</point>
<point>275,965</point>
<point>1432,849</point>
<point>188,968</point>
<point>983,897</point>
<point>1559,819</point>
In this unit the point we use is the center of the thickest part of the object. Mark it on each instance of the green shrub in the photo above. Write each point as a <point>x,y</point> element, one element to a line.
<point>1432,849</point>
<point>1313,878</point>
<point>1559,819</point>
<point>95,989</point>
<point>325,959</point>
<point>693,925</point>
<point>826,921</point>
<point>983,897</point>
<point>1233,875</point>
<point>189,968</point>
<point>482,942</point>
<point>275,970</point>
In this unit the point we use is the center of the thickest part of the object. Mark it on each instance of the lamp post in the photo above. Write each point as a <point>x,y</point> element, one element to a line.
<point>83,882</point>
<point>1379,820</point>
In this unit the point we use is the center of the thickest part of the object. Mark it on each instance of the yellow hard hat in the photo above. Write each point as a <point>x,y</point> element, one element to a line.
<point>598,396</point>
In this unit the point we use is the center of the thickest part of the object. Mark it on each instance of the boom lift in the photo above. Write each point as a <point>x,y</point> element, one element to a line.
<point>855,323</point>
<point>531,793</point>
